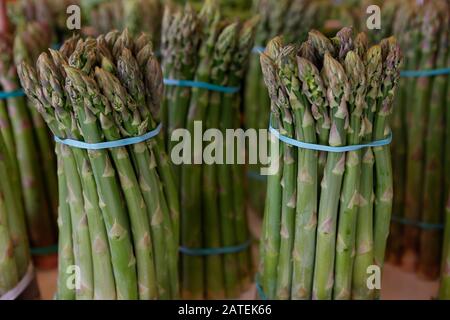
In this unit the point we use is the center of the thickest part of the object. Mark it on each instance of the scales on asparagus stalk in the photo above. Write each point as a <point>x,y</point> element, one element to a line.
<point>115,220</point>
<point>333,90</point>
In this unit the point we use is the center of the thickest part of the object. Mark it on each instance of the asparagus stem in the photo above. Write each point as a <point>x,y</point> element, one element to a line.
<point>338,89</point>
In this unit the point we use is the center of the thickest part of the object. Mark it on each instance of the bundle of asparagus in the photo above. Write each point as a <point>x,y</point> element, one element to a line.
<point>204,48</point>
<point>319,240</point>
<point>117,213</point>
<point>444,291</point>
<point>29,143</point>
<point>293,19</point>
<point>50,12</point>
<point>421,127</point>
<point>14,247</point>
<point>136,15</point>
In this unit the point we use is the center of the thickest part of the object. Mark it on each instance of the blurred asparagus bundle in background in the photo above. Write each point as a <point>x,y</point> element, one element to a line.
<point>52,13</point>
<point>327,214</point>
<point>135,15</point>
<point>421,127</point>
<point>28,140</point>
<point>14,246</point>
<point>118,220</point>
<point>203,47</point>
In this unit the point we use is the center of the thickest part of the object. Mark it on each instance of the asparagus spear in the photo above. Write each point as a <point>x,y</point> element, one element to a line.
<point>364,248</point>
<point>345,249</point>
<point>237,72</point>
<point>337,93</point>
<point>191,194</point>
<point>430,248</point>
<point>36,205</point>
<point>417,118</point>
<point>8,268</point>
<point>271,237</point>
<point>187,38</point>
<point>444,289</point>
<point>214,205</point>
<point>65,245</point>
<point>383,168</point>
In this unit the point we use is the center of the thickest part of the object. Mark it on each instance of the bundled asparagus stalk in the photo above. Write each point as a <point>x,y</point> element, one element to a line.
<point>14,246</point>
<point>28,141</point>
<point>117,220</point>
<point>421,129</point>
<point>320,238</point>
<point>207,49</point>
<point>444,290</point>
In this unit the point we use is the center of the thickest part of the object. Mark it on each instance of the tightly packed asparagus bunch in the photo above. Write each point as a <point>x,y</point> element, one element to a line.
<point>327,214</point>
<point>202,47</point>
<point>118,218</point>
<point>293,19</point>
<point>27,139</point>
<point>421,128</point>
<point>14,247</point>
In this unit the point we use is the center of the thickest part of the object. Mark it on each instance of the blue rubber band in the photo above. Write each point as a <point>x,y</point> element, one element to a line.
<point>56,46</point>
<point>12,94</point>
<point>424,73</point>
<point>258,49</point>
<point>256,176</point>
<point>419,224</point>
<point>214,251</point>
<point>202,85</point>
<point>319,147</point>
<point>43,251</point>
<point>259,288</point>
<point>110,144</point>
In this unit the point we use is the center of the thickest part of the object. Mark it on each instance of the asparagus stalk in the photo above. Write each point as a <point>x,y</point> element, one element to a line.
<point>36,205</point>
<point>383,168</point>
<point>215,205</point>
<point>271,240</point>
<point>348,210</point>
<point>418,117</point>
<point>191,194</point>
<point>364,248</point>
<point>65,244</point>
<point>337,93</point>
<point>444,289</point>
<point>430,249</point>
<point>11,189</point>
<point>237,73</point>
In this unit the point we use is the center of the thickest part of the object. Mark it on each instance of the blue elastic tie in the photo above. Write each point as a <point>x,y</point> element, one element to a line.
<point>56,46</point>
<point>202,85</point>
<point>214,251</point>
<point>424,73</point>
<point>259,288</point>
<point>319,147</point>
<point>12,94</point>
<point>256,176</point>
<point>258,49</point>
<point>419,224</point>
<point>43,251</point>
<point>110,144</point>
